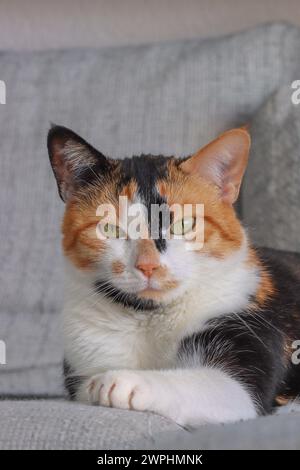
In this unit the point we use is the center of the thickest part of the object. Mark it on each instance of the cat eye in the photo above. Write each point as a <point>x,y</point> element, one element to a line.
<point>183,226</point>
<point>113,231</point>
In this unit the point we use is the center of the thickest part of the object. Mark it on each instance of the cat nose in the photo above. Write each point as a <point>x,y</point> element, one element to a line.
<point>147,257</point>
<point>147,268</point>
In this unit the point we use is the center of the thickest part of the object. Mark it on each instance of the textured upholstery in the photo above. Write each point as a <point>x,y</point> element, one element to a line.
<point>271,192</point>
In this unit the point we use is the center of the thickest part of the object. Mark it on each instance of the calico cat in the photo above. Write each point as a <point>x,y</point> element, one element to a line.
<point>198,336</point>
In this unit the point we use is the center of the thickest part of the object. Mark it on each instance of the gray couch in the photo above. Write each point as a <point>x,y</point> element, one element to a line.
<point>166,98</point>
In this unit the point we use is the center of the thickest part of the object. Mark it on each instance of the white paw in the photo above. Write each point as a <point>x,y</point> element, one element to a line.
<point>129,390</point>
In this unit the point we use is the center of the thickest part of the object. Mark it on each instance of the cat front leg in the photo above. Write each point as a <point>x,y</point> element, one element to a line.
<point>189,397</point>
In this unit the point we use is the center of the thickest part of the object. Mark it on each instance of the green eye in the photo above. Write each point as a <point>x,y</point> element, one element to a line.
<point>113,231</point>
<point>183,226</point>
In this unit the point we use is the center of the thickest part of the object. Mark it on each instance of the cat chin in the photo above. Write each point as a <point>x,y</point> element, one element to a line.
<point>151,293</point>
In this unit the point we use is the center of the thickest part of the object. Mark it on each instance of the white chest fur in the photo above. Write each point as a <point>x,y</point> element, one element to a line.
<point>105,336</point>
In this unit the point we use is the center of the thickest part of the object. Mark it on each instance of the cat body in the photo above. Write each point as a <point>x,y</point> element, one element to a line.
<point>198,336</point>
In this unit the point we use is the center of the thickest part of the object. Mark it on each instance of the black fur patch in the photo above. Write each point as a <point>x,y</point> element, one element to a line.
<point>72,382</point>
<point>99,169</point>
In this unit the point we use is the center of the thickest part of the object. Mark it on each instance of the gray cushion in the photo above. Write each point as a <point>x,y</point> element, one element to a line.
<point>264,433</point>
<point>271,191</point>
<point>49,424</point>
<point>169,98</point>
<point>34,354</point>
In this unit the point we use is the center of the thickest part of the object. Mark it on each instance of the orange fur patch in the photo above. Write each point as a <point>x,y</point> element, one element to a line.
<point>266,289</point>
<point>118,267</point>
<point>129,190</point>
<point>80,242</point>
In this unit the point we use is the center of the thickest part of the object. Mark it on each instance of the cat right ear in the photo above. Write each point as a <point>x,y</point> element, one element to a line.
<point>72,159</point>
<point>222,162</point>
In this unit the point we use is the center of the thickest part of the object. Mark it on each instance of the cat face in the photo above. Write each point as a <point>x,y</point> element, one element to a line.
<point>120,226</point>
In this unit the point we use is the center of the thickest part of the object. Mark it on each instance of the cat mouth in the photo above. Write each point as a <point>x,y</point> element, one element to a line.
<point>150,288</point>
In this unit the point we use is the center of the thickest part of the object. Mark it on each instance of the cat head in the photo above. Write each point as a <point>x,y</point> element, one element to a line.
<point>134,264</point>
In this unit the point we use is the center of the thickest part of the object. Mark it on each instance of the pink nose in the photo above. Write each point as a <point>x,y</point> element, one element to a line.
<point>147,268</point>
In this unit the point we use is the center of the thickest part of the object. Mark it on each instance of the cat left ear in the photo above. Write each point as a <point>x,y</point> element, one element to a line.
<point>223,162</point>
<point>73,160</point>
